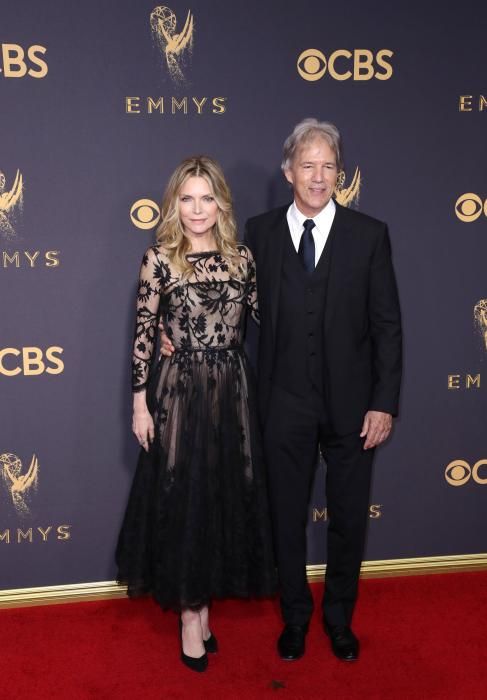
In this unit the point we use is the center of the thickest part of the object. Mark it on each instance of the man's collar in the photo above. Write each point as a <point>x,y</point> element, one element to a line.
<point>324,216</point>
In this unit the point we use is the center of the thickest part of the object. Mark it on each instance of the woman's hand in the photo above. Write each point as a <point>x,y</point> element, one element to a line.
<point>142,423</point>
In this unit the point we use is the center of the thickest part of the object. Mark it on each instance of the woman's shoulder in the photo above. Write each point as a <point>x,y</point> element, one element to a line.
<point>245,252</point>
<point>156,264</point>
<point>158,250</point>
<point>156,254</point>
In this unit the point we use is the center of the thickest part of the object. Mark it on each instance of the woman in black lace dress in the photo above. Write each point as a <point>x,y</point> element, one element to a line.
<point>196,525</point>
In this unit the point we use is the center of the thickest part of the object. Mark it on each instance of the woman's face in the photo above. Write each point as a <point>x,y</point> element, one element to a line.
<point>198,209</point>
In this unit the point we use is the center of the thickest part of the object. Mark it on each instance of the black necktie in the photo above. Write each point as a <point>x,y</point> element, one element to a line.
<point>306,249</point>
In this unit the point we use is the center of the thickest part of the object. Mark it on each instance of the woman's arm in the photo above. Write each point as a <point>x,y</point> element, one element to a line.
<point>251,287</point>
<point>148,298</point>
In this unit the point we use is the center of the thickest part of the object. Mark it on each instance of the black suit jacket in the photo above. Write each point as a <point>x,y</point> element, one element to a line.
<point>362,320</point>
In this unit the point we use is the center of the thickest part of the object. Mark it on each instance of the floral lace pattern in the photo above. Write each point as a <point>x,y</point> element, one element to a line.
<point>203,312</point>
<point>197,524</point>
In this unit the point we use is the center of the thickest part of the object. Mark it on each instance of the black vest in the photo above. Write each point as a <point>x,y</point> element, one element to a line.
<point>299,357</point>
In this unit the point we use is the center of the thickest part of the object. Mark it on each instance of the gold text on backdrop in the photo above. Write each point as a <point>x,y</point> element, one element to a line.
<point>15,64</point>
<point>38,534</point>
<point>31,361</point>
<point>175,105</point>
<point>176,48</point>
<point>342,64</point>
<point>469,381</point>
<point>321,514</point>
<point>32,258</point>
<point>472,103</point>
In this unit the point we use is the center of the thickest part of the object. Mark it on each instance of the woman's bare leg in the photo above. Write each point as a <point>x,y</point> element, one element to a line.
<point>192,633</point>
<point>205,622</point>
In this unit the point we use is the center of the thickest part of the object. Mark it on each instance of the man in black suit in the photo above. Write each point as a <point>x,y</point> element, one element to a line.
<point>329,374</point>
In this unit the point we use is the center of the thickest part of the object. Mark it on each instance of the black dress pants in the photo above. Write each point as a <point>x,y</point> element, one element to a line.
<point>295,428</point>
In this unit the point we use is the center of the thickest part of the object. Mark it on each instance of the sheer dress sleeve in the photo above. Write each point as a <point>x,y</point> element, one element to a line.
<point>251,284</point>
<point>148,302</point>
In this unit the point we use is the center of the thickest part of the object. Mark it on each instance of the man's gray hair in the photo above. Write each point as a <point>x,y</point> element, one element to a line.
<point>307,130</point>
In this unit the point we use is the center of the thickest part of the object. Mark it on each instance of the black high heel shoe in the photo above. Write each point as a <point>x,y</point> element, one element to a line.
<point>198,664</point>
<point>211,644</point>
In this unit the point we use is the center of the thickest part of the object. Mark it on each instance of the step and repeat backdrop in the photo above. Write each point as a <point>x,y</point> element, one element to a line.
<point>99,101</point>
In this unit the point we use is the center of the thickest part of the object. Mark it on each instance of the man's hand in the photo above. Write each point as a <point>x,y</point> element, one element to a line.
<point>376,427</point>
<point>167,348</point>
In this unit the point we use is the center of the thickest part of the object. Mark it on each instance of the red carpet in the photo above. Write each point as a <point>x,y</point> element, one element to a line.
<point>422,637</point>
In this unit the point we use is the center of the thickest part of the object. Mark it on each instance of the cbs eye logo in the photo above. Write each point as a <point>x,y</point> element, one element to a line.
<point>145,213</point>
<point>342,64</point>
<point>17,63</point>
<point>469,207</point>
<point>459,472</point>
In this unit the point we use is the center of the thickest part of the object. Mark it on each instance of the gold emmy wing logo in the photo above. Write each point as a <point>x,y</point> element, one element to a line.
<point>10,199</point>
<point>17,483</point>
<point>145,213</point>
<point>173,45</point>
<point>459,472</point>
<point>347,195</point>
<point>480,317</point>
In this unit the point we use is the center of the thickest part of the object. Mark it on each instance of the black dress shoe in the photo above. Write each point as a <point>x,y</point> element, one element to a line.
<point>344,643</point>
<point>211,644</point>
<point>291,643</point>
<point>199,663</point>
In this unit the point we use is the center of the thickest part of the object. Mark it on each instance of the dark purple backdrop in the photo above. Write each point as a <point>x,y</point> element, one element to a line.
<point>84,162</point>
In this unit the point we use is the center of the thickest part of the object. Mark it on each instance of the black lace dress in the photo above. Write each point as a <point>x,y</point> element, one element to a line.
<point>197,525</point>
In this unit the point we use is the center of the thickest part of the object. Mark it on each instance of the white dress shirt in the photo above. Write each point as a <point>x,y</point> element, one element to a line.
<point>321,230</point>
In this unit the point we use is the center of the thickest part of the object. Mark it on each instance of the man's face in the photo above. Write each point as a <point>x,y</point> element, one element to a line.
<point>313,175</point>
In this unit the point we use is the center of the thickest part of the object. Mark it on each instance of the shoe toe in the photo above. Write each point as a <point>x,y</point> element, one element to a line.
<point>291,643</point>
<point>344,643</point>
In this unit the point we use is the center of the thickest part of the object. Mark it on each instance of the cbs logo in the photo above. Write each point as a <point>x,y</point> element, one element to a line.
<point>17,65</point>
<point>145,213</point>
<point>360,64</point>
<point>30,361</point>
<point>469,207</point>
<point>459,472</point>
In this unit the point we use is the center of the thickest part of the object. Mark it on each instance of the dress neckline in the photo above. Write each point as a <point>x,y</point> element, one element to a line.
<point>203,252</point>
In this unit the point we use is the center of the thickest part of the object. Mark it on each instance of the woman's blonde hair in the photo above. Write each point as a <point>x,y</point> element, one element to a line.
<point>170,232</point>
